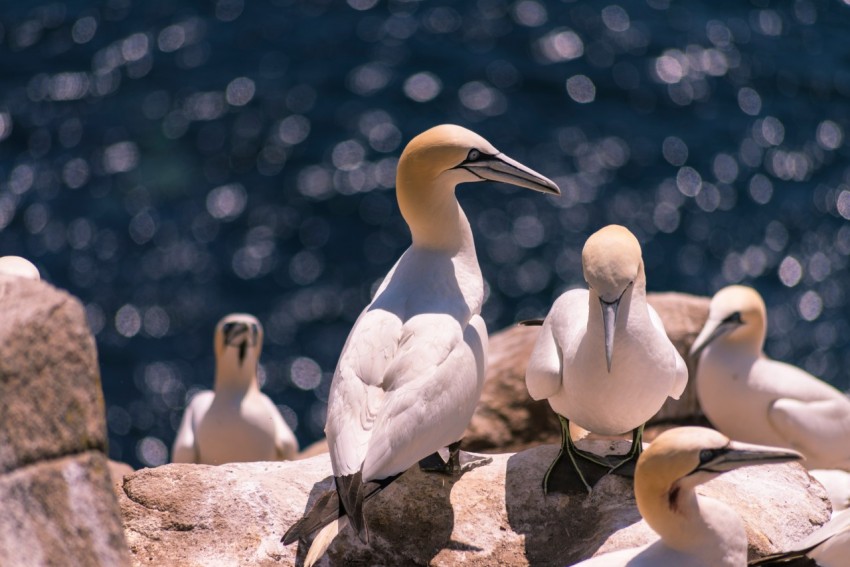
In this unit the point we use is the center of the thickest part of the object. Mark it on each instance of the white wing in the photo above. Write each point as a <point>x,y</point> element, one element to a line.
<point>819,429</point>
<point>432,387</point>
<point>185,450</point>
<point>681,380</point>
<point>286,445</point>
<point>543,373</point>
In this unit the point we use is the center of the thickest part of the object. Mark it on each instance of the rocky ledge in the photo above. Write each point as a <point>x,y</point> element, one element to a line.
<point>196,515</point>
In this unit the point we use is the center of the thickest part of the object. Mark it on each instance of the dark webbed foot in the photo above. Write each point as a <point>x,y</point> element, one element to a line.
<point>574,471</point>
<point>624,465</point>
<point>452,461</point>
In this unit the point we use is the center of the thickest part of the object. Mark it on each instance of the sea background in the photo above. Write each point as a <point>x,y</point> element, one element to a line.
<point>172,162</point>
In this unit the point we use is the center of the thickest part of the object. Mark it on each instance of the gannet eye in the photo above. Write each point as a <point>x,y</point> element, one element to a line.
<point>473,155</point>
<point>734,318</point>
<point>706,455</point>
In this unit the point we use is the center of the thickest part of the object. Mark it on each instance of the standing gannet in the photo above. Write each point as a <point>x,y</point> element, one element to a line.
<point>18,267</point>
<point>412,369</point>
<point>235,422</point>
<point>752,398</point>
<point>695,531</point>
<point>602,358</point>
<point>828,546</point>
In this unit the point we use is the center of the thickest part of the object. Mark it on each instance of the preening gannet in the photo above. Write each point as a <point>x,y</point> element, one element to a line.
<point>19,267</point>
<point>412,369</point>
<point>695,531</point>
<point>603,359</point>
<point>828,546</point>
<point>750,397</point>
<point>235,422</point>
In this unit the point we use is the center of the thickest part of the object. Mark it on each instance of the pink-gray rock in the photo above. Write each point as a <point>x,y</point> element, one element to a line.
<point>58,506</point>
<point>235,514</point>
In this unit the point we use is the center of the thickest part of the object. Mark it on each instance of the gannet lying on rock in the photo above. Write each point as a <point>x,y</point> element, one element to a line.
<point>694,530</point>
<point>602,359</point>
<point>750,397</point>
<point>19,267</point>
<point>412,369</point>
<point>235,422</point>
<point>828,546</point>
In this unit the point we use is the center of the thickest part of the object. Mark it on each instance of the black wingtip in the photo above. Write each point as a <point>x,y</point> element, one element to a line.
<point>531,323</point>
<point>324,511</point>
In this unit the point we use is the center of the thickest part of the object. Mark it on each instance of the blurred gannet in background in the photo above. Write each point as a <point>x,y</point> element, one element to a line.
<point>18,266</point>
<point>235,422</point>
<point>828,546</point>
<point>411,372</point>
<point>694,530</point>
<point>750,397</point>
<point>603,359</point>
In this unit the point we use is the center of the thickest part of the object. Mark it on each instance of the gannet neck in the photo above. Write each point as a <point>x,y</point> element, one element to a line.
<point>432,212</point>
<point>235,379</point>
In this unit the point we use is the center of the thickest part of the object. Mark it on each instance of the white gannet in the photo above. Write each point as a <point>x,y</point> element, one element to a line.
<point>750,397</point>
<point>411,372</point>
<point>837,485</point>
<point>19,267</point>
<point>828,546</point>
<point>603,359</point>
<point>235,422</point>
<point>694,530</point>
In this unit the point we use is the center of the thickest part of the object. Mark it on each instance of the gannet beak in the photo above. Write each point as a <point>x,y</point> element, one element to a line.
<point>736,455</point>
<point>711,332</point>
<point>507,170</point>
<point>609,323</point>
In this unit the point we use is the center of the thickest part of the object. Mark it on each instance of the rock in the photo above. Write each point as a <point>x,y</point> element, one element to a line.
<point>494,515</point>
<point>507,419</point>
<point>58,507</point>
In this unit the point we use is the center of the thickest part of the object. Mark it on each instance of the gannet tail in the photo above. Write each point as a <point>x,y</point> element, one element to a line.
<point>323,540</point>
<point>324,512</point>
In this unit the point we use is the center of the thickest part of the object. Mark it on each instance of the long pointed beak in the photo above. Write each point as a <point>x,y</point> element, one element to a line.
<point>507,170</point>
<point>709,333</point>
<point>739,455</point>
<point>609,324</point>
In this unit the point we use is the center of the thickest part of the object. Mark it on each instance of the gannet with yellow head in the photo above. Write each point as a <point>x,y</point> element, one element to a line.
<point>753,398</point>
<point>411,372</point>
<point>235,422</point>
<point>695,531</point>
<point>18,267</point>
<point>603,359</point>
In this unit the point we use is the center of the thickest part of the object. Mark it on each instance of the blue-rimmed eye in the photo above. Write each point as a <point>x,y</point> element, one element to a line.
<point>473,155</point>
<point>707,454</point>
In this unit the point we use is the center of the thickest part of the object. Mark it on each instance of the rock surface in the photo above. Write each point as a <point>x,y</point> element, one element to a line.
<point>507,419</point>
<point>58,506</point>
<point>493,515</point>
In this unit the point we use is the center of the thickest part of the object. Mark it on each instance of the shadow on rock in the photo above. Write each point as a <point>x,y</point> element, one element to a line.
<point>560,529</point>
<point>410,522</point>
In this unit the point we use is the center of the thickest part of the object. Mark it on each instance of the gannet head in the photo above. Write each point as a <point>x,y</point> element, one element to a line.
<point>681,458</point>
<point>238,341</point>
<point>611,261</point>
<point>18,267</point>
<point>455,155</point>
<point>736,313</point>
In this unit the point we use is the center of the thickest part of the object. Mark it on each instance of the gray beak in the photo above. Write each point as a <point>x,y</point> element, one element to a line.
<point>507,170</point>
<point>737,455</point>
<point>609,323</point>
<point>709,333</point>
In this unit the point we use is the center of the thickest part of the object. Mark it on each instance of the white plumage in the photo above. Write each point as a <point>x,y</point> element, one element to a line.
<point>753,398</point>
<point>828,546</point>
<point>411,372</point>
<point>18,267</point>
<point>235,422</point>
<point>603,359</point>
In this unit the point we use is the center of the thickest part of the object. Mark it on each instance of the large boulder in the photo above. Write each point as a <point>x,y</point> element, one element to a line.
<point>507,419</point>
<point>194,515</point>
<point>58,506</point>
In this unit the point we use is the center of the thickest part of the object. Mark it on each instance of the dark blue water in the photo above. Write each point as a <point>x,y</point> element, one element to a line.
<point>171,162</point>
